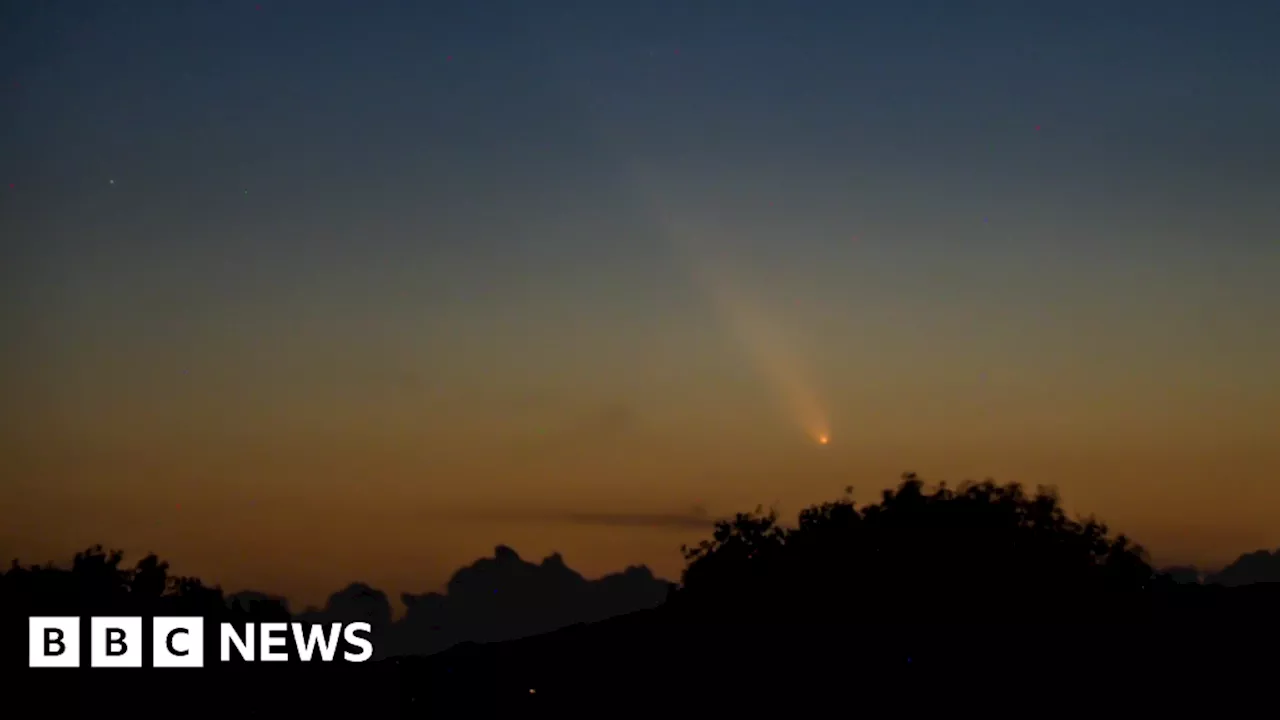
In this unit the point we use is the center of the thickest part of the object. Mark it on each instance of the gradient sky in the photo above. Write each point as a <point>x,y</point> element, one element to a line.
<point>297,293</point>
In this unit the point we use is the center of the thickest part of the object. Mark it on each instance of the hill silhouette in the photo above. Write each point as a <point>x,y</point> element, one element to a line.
<point>918,596</point>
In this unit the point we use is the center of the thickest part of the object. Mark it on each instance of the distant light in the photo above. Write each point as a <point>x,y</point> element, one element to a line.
<point>532,691</point>
<point>823,439</point>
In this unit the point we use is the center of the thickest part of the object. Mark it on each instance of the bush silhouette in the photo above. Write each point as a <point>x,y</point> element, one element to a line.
<point>942,555</point>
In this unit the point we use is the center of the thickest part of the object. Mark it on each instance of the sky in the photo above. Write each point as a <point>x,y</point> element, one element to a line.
<point>297,293</point>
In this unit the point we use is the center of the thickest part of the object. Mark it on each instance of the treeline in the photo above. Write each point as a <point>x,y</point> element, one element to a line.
<point>922,581</point>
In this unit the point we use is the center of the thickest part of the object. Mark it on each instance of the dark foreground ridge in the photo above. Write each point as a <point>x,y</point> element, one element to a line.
<point>982,598</point>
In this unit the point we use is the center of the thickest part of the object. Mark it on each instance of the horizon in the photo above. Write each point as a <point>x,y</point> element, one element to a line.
<point>319,609</point>
<point>302,291</point>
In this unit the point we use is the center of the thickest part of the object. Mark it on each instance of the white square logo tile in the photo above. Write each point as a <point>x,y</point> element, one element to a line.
<point>53,642</point>
<point>177,642</point>
<point>115,642</point>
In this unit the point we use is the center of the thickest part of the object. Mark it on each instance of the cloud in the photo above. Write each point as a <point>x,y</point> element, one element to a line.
<point>606,421</point>
<point>1259,566</point>
<point>493,599</point>
<point>603,418</point>
<point>695,517</point>
<point>611,419</point>
<point>573,431</point>
<point>530,400</point>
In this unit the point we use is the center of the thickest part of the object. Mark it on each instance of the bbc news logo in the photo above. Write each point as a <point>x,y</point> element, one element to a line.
<point>179,642</point>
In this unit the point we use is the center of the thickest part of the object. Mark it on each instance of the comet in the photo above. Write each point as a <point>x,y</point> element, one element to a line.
<point>774,354</point>
<point>705,253</point>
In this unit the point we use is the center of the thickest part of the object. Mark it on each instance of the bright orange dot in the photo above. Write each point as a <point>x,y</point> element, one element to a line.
<point>823,439</point>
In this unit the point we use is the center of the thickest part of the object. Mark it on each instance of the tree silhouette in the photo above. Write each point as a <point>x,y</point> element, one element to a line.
<point>918,554</point>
